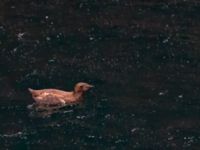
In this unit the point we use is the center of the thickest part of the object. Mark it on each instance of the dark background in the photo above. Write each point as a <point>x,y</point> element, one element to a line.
<point>142,56</point>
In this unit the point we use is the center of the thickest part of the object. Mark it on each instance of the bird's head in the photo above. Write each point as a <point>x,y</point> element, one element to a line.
<point>82,87</point>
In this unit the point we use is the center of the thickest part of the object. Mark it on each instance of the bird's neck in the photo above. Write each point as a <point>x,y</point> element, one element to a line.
<point>78,95</point>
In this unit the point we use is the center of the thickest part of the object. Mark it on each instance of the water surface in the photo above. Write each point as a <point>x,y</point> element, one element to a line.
<point>142,57</point>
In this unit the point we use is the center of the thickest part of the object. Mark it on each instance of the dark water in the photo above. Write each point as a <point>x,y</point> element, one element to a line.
<point>142,56</point>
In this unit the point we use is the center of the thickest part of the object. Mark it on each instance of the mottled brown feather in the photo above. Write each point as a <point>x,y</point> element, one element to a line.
<point>59,97</point>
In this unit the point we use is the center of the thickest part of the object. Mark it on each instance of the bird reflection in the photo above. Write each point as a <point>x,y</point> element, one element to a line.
<point>43,111</point>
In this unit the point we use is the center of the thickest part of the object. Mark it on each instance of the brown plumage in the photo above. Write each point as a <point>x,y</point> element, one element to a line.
<point>59,97</point>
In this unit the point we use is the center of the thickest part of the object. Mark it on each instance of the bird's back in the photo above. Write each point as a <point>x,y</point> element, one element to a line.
<point>49,91</point>
<point>52,96</point>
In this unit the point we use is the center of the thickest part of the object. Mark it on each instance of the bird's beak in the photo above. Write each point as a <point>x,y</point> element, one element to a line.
<point>91,86</point>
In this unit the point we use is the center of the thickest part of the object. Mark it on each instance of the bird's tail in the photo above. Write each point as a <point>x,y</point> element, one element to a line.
<point>31,90</point>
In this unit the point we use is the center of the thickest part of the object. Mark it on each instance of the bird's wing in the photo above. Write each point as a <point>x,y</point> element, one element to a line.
<point>51,99</point>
